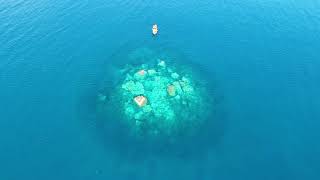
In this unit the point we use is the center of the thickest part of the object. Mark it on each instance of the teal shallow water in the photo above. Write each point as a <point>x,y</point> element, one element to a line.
<point>263,56</point>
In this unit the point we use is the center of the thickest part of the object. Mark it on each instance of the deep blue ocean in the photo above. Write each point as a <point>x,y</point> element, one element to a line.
<point>263,57</point>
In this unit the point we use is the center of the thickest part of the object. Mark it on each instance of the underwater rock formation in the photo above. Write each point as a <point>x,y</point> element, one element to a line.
<point>157,99</point>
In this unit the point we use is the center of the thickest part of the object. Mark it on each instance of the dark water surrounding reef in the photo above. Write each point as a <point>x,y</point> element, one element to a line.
<point>262,57</point>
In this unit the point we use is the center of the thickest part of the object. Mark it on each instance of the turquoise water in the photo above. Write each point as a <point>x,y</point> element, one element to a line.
<point>263,56</point>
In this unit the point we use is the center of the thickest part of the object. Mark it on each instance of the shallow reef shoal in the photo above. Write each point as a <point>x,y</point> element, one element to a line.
<point>156,97</point>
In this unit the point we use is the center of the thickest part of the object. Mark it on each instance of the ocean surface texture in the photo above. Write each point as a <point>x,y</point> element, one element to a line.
<point>263,58</point>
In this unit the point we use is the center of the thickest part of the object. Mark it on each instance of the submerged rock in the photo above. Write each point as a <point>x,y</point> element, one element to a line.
<point>171,90</point>
<point>140,100</point>
<point>175,75</point>
<point>162,64</point>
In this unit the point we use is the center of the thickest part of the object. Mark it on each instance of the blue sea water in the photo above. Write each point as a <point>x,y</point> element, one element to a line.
<point>263,55</point>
